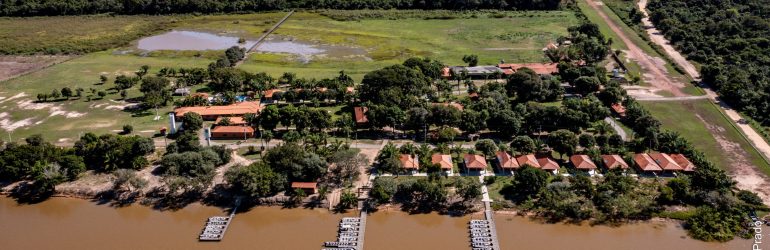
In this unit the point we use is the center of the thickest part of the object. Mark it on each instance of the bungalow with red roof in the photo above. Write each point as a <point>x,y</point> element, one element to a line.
<point>269,94</point>
<point>548,164</point>
<point>584,163</point>
<point>474,162</point>
<point>506,162</point>
<point>646,163</point>
<point>359,114</point>
<point>446,73</point>
<point>528,160</point>
<point>232,132</point>
<point>665,162</point>
<point>683,162</point>
<point>308,187</point>
<point>444,161</point>
<point>409,162</point>
<point>614,161</point>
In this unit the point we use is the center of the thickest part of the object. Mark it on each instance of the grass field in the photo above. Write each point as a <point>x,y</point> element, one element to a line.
<point>516,38</point>
<point>68,34</point>
<point>68,119</point>
<point>690,118</point>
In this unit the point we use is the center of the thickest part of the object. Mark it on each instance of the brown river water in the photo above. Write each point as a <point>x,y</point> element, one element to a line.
<point>62,223</point>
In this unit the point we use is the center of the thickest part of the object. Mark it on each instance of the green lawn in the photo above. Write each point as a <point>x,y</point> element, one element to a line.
<point>516,38</point>
<point>98,116</point>
<point>683,116</point>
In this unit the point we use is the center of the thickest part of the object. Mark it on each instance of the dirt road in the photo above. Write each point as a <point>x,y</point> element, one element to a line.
<point>748,177</point>
<point>653,68</point>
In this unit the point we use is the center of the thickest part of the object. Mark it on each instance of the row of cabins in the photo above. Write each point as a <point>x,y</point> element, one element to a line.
<point>647,163</point>
<point>238,128</point>
<point>270,95</point>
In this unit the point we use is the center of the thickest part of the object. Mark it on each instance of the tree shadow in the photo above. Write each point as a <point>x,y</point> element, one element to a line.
<point>26,193</point>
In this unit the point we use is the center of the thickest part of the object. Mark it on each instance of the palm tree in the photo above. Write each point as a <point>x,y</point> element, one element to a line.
<point>347,200</point>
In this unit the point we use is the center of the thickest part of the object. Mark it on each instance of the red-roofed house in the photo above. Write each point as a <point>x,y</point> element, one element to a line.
<point>619,109</point>
<point>211,113</point>
<point>646,163</point>
<point>506,163</point>
<point>614,161</point>
<point>446,73</point>
<point>539,68</point>
<point>359,114</point>
<point>409,162</point>
<point>234,121</point>
<point>308,187</point>
<point>444,161</point>
<point>475,163</point>
<point>528,160</point>
<point>583,162</point>
<point>548,164</point>
<point>683,162</point>
<point>665,162</point>
<point>232,132</point>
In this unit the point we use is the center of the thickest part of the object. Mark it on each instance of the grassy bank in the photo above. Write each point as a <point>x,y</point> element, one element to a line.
<point>701,123</point>
<point>75,34</point>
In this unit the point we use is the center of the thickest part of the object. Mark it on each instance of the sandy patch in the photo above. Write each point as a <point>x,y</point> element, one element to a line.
<point>17,96</point>
<point>741,170</point>
<point>10,125</point>
<point>54,110</point>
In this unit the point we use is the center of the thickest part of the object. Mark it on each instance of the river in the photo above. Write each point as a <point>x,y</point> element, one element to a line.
<point>62,223</point>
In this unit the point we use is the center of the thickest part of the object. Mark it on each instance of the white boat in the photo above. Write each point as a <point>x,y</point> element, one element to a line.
<point>483,248</point>
<point>348,235</point>
<point>479,222</point>
<point>351,219</point>
<point>481,235</point>
<point>479,226</point>
<point>480,230</point>
<point>347,239</point>
<point>481,244</point>
<point>481,239</point>
<point>216,223</point>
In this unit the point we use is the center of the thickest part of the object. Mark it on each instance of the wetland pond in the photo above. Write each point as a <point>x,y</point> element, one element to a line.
<point>190,40</point>
<point>63,223</point>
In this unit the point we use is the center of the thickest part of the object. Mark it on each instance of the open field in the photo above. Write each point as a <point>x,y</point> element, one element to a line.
<point>709,131</point>
<point>21,116</point>
<point>516,38</point>
<point>81,34</point>
<point>13,66</point>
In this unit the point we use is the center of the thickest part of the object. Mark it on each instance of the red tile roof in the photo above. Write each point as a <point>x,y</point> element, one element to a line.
<point>234,120</point>
<point>683,162</point>
<point>475,161</point>
<point>665,162</point>
<point>312,185</point>
<point>582,162</point>
<point>269,93</point>
<point>506,161</point>
<point>350,90</point>
<point>539,68</point>
<point>528,160</point>
<point>360,114</point>
<point>445,161</point>
<point>409,162</point>
<point>619,109</point>
<point>614,161</point>
<point>236,109</point>
<point>445,72</point>
<point>646,163</point>
<point>547,163</point>
<point>232,129</point>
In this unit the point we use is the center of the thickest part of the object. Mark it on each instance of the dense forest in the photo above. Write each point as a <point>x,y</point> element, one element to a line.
<point>731,39</point>
<point>80,7</point>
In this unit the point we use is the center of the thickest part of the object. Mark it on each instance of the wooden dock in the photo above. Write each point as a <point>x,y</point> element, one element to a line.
<point>350,236</point>
<point>216,226</point>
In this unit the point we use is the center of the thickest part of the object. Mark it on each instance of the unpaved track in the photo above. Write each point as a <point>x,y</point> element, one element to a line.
<point>747,177</point>
<point>654,68</point>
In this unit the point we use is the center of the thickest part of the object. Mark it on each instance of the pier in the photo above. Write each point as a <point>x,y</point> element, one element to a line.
<point>216,226</point>
<point>483,233</point>
<point>350,236</point>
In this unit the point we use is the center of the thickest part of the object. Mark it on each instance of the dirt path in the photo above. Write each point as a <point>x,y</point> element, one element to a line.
<point>15,66</point>
<point>654,68</point>
<point>219,176</point>
<point>750,178</point>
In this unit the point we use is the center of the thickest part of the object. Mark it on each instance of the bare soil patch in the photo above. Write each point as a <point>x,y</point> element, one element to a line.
<point>741,169</point>
<point>14,66</point>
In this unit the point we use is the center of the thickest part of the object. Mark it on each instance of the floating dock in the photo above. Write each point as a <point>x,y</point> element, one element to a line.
<point>351,234</point>
<point>216,226</point>
<point>483,233</point>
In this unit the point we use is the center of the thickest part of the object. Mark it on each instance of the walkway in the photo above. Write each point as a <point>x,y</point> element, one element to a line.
<point>617,128</point>
<point>488,213</point>
<point>675,98</point>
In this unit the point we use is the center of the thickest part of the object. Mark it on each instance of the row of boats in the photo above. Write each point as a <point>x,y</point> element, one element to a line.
<point>215,228</point>
<point>347,238</point>
<point>481,235</point>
